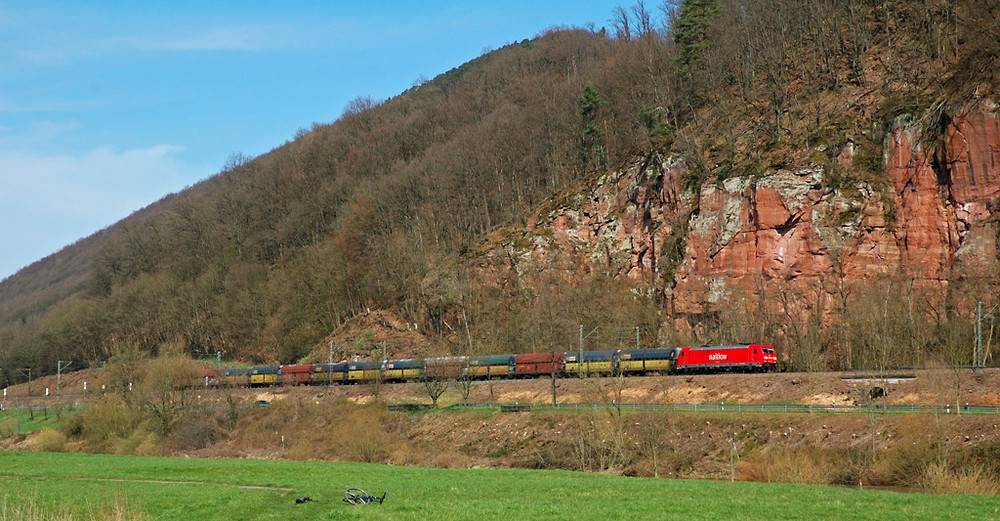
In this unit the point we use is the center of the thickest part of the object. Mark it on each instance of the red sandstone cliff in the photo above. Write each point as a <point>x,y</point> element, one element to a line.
<point>932,217</point>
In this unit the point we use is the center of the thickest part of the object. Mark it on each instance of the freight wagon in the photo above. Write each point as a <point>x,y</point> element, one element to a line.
<point>329,373</point>
<point>295,374</point>
<point>403,370</point>
<point>369,370</point>
<point>644,361</point>
<point>591,362</point>
<point>535,364</point>
<point>446,367</point>
<point>209,376</point>
<point>236,376</point>
<point>264,375</point>
<point>491,366</point>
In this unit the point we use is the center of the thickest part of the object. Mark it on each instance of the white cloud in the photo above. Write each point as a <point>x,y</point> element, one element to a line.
<point>102,170</point>
<point>247,37</point>
<point>92,46</point>
<point>42,37</point>
<point>47,202</point>
<point>45,38</point>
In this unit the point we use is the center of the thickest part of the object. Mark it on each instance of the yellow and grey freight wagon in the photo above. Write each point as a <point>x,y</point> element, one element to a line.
<point>364,371</point>
<point>591,362</point>
<point>491,366</point>
<point>403,370</point>
<point>329,373</point>
<point>653,360</point>
<point>236,376</point>
<point>264,374</point>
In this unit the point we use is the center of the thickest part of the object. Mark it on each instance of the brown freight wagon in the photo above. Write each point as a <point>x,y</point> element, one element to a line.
<point>446,367</point>
<point>296,374</point>
<point>534,364</point>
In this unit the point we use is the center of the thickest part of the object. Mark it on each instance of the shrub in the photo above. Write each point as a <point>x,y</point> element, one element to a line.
<point>141,442</point>
<point>8,426</point>
<point>369,446</point>
<point>106,421</point>
<point>901,467</point>
<point>49,440</point>
<point>938,478</point>
<point>197,430</point>
<point>299,452</point>
<point>804,464</point>
<point>72,426</point>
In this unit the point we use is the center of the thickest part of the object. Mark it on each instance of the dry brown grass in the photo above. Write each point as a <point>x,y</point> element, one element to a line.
<point>939,478</point>
<point>28,509</point>
<point>197,429</point>
<point>902,466</point>
<point>799,464</point>
<point>8,426</point>
<point>11,510</point>
<point>333,430</point>
<point>300,452</point>
<point>49,440</point>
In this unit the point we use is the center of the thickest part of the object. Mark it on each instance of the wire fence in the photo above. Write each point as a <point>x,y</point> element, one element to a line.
<point>741,408</point>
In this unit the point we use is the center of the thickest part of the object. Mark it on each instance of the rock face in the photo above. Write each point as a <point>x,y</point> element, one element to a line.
<point>931,217</point>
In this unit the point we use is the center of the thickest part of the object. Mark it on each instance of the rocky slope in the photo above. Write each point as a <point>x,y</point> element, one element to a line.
<point>930,215</point>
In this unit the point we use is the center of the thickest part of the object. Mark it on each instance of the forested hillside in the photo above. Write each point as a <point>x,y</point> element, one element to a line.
<point>402,205</point>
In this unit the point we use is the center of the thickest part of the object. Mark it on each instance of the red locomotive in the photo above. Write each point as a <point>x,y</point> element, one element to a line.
<point>744,357</point>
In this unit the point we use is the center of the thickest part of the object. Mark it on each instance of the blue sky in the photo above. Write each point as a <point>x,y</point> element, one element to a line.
<point>107,106</point>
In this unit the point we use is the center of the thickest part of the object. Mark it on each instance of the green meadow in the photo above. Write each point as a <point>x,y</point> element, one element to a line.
<point>189,489</point>
<point>15,421</point>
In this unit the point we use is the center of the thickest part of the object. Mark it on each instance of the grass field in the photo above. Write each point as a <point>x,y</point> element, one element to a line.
<point>203,489</point>
<point>14,421</point>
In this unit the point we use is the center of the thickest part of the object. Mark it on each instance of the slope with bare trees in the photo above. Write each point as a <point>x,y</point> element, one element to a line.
<point>392,206</point>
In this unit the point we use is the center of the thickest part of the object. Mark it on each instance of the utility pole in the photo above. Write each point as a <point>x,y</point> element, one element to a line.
<point>581,347</point>
<point>978,354</point>
<point>979,336</point>
<point>552,371</point>
<point>381,371</point>
<point>637,337</point>
<point>59,368</point>
<point>329,367</point>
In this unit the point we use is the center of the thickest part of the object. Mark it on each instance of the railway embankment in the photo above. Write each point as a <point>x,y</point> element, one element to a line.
<point>925,387</point>
<point>699,426</point>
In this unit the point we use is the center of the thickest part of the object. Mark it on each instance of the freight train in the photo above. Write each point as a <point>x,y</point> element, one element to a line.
<point>664,360</point>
